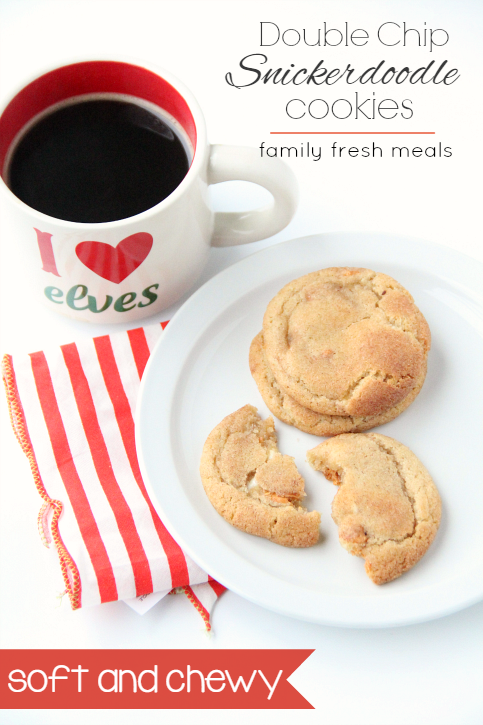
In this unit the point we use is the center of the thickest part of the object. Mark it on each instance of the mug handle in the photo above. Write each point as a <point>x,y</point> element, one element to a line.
<point>243,163</point>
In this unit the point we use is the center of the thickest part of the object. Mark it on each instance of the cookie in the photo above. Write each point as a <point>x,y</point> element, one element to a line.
<point>346,341</point>
<point>387,507</point>
<point>252,485</point>
<point>286,409</point>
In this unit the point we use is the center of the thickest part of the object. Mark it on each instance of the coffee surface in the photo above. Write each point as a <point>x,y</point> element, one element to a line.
<point>97,161</point>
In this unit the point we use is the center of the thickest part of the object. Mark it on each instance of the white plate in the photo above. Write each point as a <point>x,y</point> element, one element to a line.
<point>199,373</point>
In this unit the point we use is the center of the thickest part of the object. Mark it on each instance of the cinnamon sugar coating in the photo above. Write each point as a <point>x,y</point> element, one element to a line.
<point>252,485</point>
<point>288,410</point>
<point>387,507</point>
<point>346,342</point>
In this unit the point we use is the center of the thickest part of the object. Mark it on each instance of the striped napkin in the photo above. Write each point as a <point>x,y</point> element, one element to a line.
<point>72,411</point>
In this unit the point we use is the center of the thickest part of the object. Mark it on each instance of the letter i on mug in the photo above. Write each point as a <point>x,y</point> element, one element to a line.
<point>105,165</point>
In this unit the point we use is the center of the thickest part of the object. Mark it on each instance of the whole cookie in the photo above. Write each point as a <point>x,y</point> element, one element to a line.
<point>387,508</point>
<point>252,485</point>
<point>346,341</point>
<point>284,407</point>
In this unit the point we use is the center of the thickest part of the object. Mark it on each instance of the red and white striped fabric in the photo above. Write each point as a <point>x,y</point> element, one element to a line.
<point>72,410</point>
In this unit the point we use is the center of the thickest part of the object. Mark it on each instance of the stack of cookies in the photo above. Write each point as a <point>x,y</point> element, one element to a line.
<point>342,350</point>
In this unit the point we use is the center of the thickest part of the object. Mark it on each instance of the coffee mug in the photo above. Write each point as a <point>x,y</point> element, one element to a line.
<point>124,269</point>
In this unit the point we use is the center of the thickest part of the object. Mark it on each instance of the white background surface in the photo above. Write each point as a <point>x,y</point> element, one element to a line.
<point>428,674</point>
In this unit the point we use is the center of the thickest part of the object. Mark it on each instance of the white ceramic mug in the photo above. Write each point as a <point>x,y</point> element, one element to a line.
<point>127,269</point>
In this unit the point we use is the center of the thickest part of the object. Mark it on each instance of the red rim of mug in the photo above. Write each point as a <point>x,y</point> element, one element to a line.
<point>86,77</point>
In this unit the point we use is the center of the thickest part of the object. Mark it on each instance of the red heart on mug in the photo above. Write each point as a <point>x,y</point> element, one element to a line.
<point>115,263</point>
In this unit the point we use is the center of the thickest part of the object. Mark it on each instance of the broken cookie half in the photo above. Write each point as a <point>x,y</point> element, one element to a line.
<point>252,485</point>
<point>387,507</point>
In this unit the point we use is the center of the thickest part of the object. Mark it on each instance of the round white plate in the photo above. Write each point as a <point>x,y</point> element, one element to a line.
<point>199,373</point>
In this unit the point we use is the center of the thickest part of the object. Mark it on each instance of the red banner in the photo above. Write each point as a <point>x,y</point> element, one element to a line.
<point>151,679</point>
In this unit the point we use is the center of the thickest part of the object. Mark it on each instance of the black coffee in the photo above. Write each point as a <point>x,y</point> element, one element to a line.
<point>97,161</point>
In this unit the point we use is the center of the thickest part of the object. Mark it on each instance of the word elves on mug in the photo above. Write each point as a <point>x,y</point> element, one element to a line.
<point>113,264</point>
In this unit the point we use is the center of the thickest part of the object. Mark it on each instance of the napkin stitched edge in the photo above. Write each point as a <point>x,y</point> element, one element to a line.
<point>68,567</point>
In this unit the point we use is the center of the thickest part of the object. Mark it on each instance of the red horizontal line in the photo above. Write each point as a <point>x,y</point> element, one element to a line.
<point>374,133</point>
